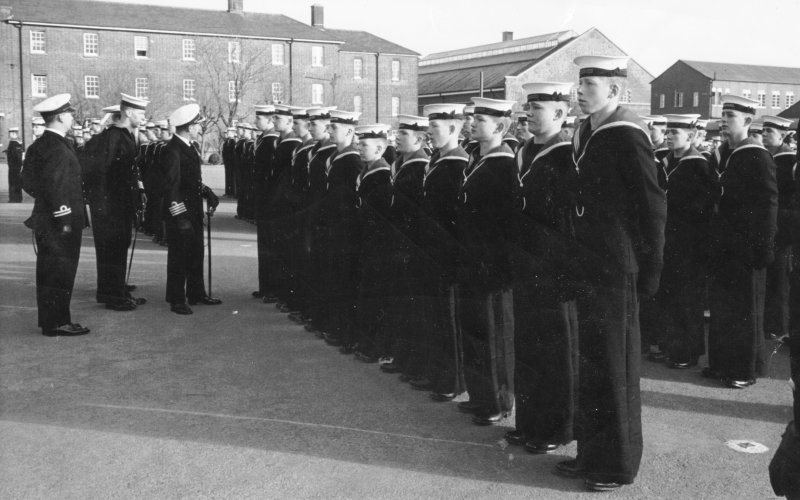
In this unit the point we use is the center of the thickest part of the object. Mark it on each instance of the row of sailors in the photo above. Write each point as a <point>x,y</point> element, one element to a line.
<point>474,270</point>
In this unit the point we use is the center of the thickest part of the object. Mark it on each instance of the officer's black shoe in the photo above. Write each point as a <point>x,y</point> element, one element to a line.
<point>442,397</point>
<point>593,485</point>
<point>469,407</point>
<point>121,305</point>
<point>68,330</point>
<point>365,358</point>
<point>488,418</point>
<point>180,309</point>
<point>680,365</point>
<point>348,348</point>
<point>257,294</point>
<point>515,437</point>
<point>570,468</point>
<point>540,448</point>
<point>206,301</point>
<point>738,384</point>
<point>420,384</point>
<point>390,367</point>
<point>130,288</point>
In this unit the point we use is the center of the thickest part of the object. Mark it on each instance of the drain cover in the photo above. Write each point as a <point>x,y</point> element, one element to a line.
<point>746,446</point>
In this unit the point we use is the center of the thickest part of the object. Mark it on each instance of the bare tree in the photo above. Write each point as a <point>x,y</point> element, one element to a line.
<point>227,71</point>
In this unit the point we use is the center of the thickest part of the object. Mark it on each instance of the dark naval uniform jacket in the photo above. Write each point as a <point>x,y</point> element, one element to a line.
<point>406,196</point>
<point>483,221</point>
<point>786,177</point>
<point>262,172</point>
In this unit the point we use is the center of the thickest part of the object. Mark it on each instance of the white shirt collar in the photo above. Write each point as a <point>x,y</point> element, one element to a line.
<point>62,134</point>
<point>186,141</point>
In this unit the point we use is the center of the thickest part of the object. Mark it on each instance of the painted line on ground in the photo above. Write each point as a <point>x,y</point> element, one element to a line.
<point>290,422</point>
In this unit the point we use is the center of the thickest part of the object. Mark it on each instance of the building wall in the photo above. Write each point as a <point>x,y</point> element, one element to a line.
<point>680,77</point>
<point>65,67</point>
<point>559,67</point>
<point>348,87</point>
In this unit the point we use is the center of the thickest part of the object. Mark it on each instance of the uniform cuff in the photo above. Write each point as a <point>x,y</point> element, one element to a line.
<point>177,208</point>
<point>62,211</point>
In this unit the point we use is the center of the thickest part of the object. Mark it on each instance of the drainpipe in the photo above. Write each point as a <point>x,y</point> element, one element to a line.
<point>22,127</point>
<point>291,75</point>
<point>377,92</point>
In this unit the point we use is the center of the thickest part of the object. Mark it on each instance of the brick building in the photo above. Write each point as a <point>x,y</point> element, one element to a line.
<point>227,61</point>
<point>696,87</point>
<point>499,70</point>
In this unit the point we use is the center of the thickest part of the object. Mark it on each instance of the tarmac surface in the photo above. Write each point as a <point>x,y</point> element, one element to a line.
<point>236,401</point>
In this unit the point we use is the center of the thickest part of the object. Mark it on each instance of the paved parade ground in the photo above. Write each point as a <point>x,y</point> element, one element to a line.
<point>236,401</point>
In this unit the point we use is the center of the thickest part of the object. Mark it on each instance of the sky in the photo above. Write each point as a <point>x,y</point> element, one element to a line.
<point>655,33</point>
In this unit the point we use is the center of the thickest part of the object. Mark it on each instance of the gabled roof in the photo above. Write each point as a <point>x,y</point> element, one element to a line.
<point>362,41</point>
<point>745,72</point>
<point>792,112</point>
<point>154,18</point>
<point>460,69</point>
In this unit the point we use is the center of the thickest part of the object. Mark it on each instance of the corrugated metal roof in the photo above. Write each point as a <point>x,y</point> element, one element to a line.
<point>558,36</point>
<point>459,80</point>
<point>362,41</point>
<point>746,72</point>
<point>136,17</point>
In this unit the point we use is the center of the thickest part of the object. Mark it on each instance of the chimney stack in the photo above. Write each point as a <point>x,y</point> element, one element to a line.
<point>317,16</point>
<point>508,36</point>
<point>236,6</point>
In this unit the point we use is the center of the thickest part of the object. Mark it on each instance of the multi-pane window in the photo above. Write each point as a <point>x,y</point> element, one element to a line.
<point>140,46</point>
<point>789,99</point>
<point>776,99</point>
<point>625,97</point>
<point>37,42</point>
<point>317,56</point>
<point>662,101</point>
<point>141,88</point>
<point>277,92</point>
<point>91,86</point>
<point>695,99</point>
<point>677,99</point>
<point>395,105</point>
<point>234,52</point>
<point>395,70</point>
<point>277,54</point>
<point>357,104</point>
<point>573,97</point>
<point>358,68</point>
<point>188,90</point>
<point>747,94</point>
<point>91,45</point>
<point>316,93</point>
<point>762,99</point>
<point>234,91</point>
<point>39,85</point>
<point>188,49</point>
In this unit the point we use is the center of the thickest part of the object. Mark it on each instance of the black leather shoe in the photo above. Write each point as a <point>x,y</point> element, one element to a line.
<point>515,437</point>
<point>180,309</point>
<point>442,397</point>
<point>593,485</point>
<point>69,330</point>
<point>130,288</point>
<point>469,407</point>
<point>680,365</point>
<point>137,300</point>
<point>288,309</point>
<point>540,448</point>
<point>738,384</point>
<point>333,340</point>
<point>365,358</point>
<point>269,299</point>
<point>296,317</point>
<point>707,372</point>
<point>390,368</point>
<point>257,294</point>
<point>570,468</point>
<point>421,384</point>
<point>121,305</point>
<point>488,418</point>
<point>206,301</point>
<point>348,348</point>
